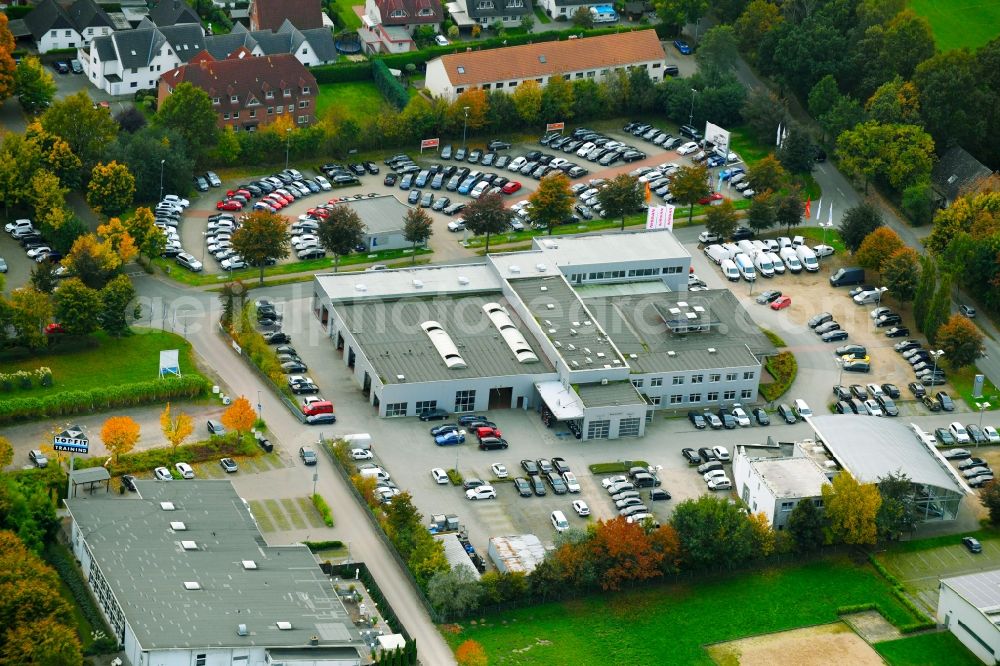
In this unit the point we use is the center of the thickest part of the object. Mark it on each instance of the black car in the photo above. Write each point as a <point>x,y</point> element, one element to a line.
<point>888,320</point>
<point>358,169</point>
<point>947,404</point>
<point>436,414</point>
<point>128,481</point>
<point>891,390</point>
<point>537,484</point>
<point>469,419</point>
<point>443,428</point>
<point>276,338</point>
<point>371,167</point>
<point>844,407</point>
<point>897,332</point>
<point>558,485</point>
<point>742,233</point>
<point>976,434</point>
<point>833,336</point>
<point>917,389</point>
<point>841,392</point>
<point>200,184</point>
<point>785,412</point>
<point>972,544</point>
<point>61,66</point>
<point>560,465</point>
<point>888,406</point>
<point>827,327</point>
<point>761,416</point>
<point>728,421</point>
<point>856,351</point>
<point>707,454</point>
<point>768,297</point>
<point>697,420</point>
<point>530,467</point>
<point>658,495</point>
<point>522,486</point>
<point>545,466</point>
<point>389,180</point>
<point>857,290</point>
<point>498,145</point>
<point>293,366</point>
<point>691,456</point>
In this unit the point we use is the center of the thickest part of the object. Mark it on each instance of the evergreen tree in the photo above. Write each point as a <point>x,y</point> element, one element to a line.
<point>925,290</point>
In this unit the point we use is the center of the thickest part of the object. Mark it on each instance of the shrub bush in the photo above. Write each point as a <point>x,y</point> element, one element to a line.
<point>59,557</point>
<point>391,89</point>
<point>316,546</point>
<point>323,508</point>
<point>144,461</point>
<point>783,368</point>
<point>455,478</point>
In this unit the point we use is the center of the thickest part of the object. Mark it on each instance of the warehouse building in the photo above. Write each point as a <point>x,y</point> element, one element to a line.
<point>383,216</point>
<point>773,480</point>
<point>595,331</point>
<point>969,607</point>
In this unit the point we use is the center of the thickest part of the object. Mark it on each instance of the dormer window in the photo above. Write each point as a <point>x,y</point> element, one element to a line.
<point>216,100</point>
<point>287,92</point>
<point>397,13</point>
<point>306,90</point>
<point>234,99</point>
<point>485,4</point>
<point>269,94</point>
<point>426,11</point>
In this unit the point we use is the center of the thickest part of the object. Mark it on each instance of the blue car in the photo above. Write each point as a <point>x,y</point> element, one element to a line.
<point>683,47</point>
<point>450,438</point>
<point>467,185</point>
<point>729,173</point>
<point>715,161</point>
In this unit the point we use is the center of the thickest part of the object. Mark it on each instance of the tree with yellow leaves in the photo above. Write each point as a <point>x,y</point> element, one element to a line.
<point>175,428</point>
<point>761,533</point>
<point>111,188</point>
<point>851,509</point>
<point>117,235</point>
<point>92,261</point>
<point>239,417</point>
<point>119,434</point>
<point>6,452</point>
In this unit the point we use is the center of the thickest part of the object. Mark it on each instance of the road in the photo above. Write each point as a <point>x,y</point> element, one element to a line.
<point>192,312</point>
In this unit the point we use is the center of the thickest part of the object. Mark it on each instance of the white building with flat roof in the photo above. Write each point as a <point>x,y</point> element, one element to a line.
<point>773,480</point>
<point>969,607</point>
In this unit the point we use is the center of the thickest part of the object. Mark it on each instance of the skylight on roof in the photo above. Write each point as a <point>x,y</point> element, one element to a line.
<point>461,70</point>
<point>541,58</point>
<point>189,545</point>
<point>177,526</point>
<point>249,564</point>
<point>167,506</point>
<point>192,585</point>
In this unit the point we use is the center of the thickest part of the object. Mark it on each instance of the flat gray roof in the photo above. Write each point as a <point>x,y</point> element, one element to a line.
<point>90,475</point>
<point>791,477</point>
<point>380,214</point>
<point>390,335</point>
<point>609,395</point>
<point>646,328</point>
<point>981,589</point>
<point>418,281</point>
<point>148,563</point>
<point>566,321</point>
<point>870,448</point>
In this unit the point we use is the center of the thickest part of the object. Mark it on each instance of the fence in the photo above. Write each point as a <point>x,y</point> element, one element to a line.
<point>292,407</point>
<point>347,571</point>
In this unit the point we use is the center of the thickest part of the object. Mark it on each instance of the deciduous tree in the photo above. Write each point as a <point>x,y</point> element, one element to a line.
<point>766,174</point>
<point>188,111</point>
<point>417,229</point>
<point>476,101</point>
<point>789,210</point>
<point>116,299</point>
<point>690,185</point>
<point>262,236</point>
<point>896,514</point>
<point>953,104</point>
<point>961,341</point>
<point>857,223</point>
<point>341,232</point>
<point>111,188</point>
<point>6,452</point>
<point>925,290</point>
<point>528,102</point>
<point>823,96</point>
<point>582,18</point>
<point>557,100</point>
<point>92,261</point>
<point>46,641</point>
<point>487,215</point>
<point>175,428</point>
<point>896,101</point>
<point>77,307</point>
<point>764,111</point>
<point>239,417</point>
<point>7,65</point>
<point>761,533</point>
<point>899,155</point>
<point>120,435</point>
<point>877,247</point>
<point>454,593</point>
<point>48,198</point>
<point>990,497</point>
<point>34,85</point>
<point>678,13</point>
<point>717,52</point>
<point>845,114</point>
<point>721,219</point>
<point>805,524</point>
<point>939,309</point>
<point>851,508</point>
<point>755,23</point>
<point>901,274</point>
<point>116,235</point>
<point>760,215</point>
<point>471,653</point>
<point>31,310</point>
<point>87,130</point>
<point>620,196</point>
<point>712,532</point>
<point>623,553</point>
<point>797,153</point>
<point>148,238</point>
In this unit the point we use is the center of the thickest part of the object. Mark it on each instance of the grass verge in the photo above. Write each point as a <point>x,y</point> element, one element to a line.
<point>775,339</point>
<point>542,17</point>
<point>678,619</point>
<point>95,636</point>
<point>986,534</point>
<point>783,368</point>
<point>348,20</point>
<point>924,649</point>
<point>356,99</point>
<point>323,508</point>
<point>960,24</point>
<point>613,467</point>
<point>962,380</point>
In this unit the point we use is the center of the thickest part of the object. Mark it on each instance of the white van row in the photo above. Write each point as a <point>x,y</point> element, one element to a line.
<point>747,258</point>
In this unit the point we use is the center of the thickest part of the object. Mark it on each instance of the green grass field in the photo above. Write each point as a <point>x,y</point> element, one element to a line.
<point>958,23</point>
<point>357,99</point>
<point>347,19</point>
<point>112,362</point>
<point>670,624</point>
<point>926,650</point>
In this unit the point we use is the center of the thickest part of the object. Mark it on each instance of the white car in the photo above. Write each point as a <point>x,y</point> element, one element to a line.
<point>706,237</point>
<point>185,470</point>
<point>559,521</point>
<point>722,453</point>
<point>720,484</point>
<point>361,454</point>
<point>640,517</point>
<point>456,225</point>
<point>741,417</point>
<point>176,200</point>
<point>581,508</point>
<point>714,474</point>
<point>959,432</point>
<point>823,251</point>
<point>36,251</point>
<point>439,475</point>
<point>572,484</point>
<point>992,436</point>
<point>441,40</point>
<point>609,481</point>
<point>162,474</point>
<point>499,470</point>
<point>687,148</point>
<point>323,183</point>
<point>874,409</point>
<point>482,492</point>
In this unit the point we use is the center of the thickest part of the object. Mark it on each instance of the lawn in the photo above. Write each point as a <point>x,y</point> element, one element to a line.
<point>542,17</point>
<point>962,380</point>
<point>112,362</point>
<point>358,99</point>
<point>958,23</point>
<point>814,235</point>
<point>346,18</point>
<point>927,650</point>
<point>671,624</point>
<point>743,143</point>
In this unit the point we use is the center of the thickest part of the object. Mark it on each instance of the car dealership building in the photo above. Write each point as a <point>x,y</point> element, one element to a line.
<point>594,331</point>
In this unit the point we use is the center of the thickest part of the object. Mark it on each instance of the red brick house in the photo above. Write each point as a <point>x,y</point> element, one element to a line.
<point>249,92</point>
<point>270,14</point>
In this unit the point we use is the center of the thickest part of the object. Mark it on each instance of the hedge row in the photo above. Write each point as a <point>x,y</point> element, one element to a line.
<point>205,450</point>
<point>60,559</point>
<point>923,621</point>
<point>102,398</point>
<point>323,508</point>
<point>783,368</point>
<point>23,378</point>
<point>317,546</point>
<point>387,84</point>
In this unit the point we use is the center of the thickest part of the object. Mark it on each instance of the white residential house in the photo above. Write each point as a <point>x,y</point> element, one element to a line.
<point>567,8</point>
<point>54,27</point>
<point>387,26</point>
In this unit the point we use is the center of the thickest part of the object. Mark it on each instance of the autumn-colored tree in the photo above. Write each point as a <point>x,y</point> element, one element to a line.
<point>475,101</point>
<point>417,228</point>
<point>46,641</point>
<point>721,219</point>
<point>47,195</point>
<point>175,428</point>
<point>552,203</point>
<point>761,533</point>
<point>78,307</point>
<point>34,85</point>
<point>690,184</point>
<point>120,434</point>
<point>239,416</point>
<point>30,311</point>
<point>766,174</point>
<point>7,65</point>
<point>88,130</point>
<point>665,540</point>
<point>117,235</point>
<point>621,196</point>
<point>624,554</point>
<point>92,261</point>
<point>116,301</point>
<point>961,341</point>
<point>262,236</point>
<point>148,238</point>
<point>111,188</point>
<point>851,509</point>
<point>528,102</point>
<point>975,213</point>
<point>6,452</point>
<point>898,154</point>
<point>487,215</point>
<point>877,247</point>
<point>471,653</point>
<point>901,274</point>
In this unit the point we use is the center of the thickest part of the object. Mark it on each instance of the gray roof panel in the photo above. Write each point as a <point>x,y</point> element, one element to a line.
<point>981,589</point>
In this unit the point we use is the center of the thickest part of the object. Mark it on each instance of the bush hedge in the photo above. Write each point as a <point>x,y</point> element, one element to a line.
<point>783,368</point>
<point>323,508</point>
<point>316,546</point>
<point>144,461</point>
<point>101,398</point>
<point>60,559</point>
<point>391,89</point>
<point>923,621</point>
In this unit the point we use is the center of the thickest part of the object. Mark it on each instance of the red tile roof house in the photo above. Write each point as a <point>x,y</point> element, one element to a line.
<point>270,14</point>
<point>249,92</point>
<point>388,25</point>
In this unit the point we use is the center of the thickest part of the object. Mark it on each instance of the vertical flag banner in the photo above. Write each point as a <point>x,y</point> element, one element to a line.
<point>808,207</point>
<point>819,208</point>
<point>777,141</point>
<point>660,217</point>
<point>648,194</point>
<point>830,221</point>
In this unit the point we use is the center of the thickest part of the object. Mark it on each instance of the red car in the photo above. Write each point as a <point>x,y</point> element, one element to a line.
<point>54,329</point>
<point>714,196</point>
<point>511,187</point>
<point>318,212</point>
<point>229,204</point>
<point>242,193</point>
<point>278,201</point>
<point>781,303</point>
<point>281,197</point>
<point>487,431</point>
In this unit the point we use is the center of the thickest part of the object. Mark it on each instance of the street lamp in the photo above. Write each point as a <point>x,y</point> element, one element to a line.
<point>825,225</point>
<point>288,140</point>
<point>691,114</point>
<point>840,363</point>
<point>936,354</point>
<point>982,407</point>
<point>162,162</point>
<point>259,409</point>
<point>465,125</point>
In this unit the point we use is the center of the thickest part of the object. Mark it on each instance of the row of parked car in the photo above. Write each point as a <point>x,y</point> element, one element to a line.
<point>486,432</point>
<point>35,245</point>
<point>871,400</point>
<point>592,146</point>
<point>746,259</point>
<point>273,192</point>
<point>690,142</point>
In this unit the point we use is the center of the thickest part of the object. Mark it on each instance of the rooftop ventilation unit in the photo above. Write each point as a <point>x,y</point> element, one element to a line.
<point>587,323</point>
<point>616,361</point>
<point>443,344</point>
<point>675,311</point>
<point>177,526</point>
<point>576,324</point>
<point>463,280</point>
<point>586,350</point>
<point>712,350</point>
<point>572,347</point>
<point>574,363</point>
<point>699,309</point>
<point>502,321</point>
<point>400,378</point>
<point>547,322</point>
<point>515,269</point>
<point>360,287</point>
<point>192,585</point>
<point>558,344</point>
<point>541,268</point>
<point>589,360</point>
<point>573,331</point>
<point>249,565</point>
<point>552,331</point>
<point>545,289</point>
<point>671,354</point>
<point>284,626</point>
<point>167,506</point>
<point>417,284</point>
<point>681,304</point>
<point>633,356</point>
<point>550,306</point>
<point>189,545</point>
<point>241,630</point>
<point>600,354</point>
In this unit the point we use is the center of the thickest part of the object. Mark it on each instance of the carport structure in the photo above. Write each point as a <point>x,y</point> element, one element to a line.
<point>871,448</point>
<point>90,477</point>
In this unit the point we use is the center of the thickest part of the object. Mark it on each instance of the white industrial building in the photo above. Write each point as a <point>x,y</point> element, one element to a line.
<point>384,217</point>
<point>969,607</point>
<point>773,480</point>
<point>184,578</point>
<point>594,331</point>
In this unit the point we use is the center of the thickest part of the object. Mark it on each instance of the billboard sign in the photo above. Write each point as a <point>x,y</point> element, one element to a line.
<point>169,362</point>
<point>71,440</point>
<point>555,127</point>
<point>660,217</point>
<point>719,137</point>
<point>429,143</point>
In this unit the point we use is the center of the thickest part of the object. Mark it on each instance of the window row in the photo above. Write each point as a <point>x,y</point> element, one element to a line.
<point>677,380</point>
<point>694,398</point>
<point>235,99</point>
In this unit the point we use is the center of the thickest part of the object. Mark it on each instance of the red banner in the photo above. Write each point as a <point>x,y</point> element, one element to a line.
<point>430,143</point>
<point>555,127</point>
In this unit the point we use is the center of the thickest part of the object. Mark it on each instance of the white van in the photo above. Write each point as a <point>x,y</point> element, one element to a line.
<point>359,440</point>
<point>717,253</point>
<point>776,263</point>
<point>801,408</point>
<point>807,257</point>
<point>732,248</point>
<point>763,263</point>
<point>791,259</point>
<point>730,270</point>
<point>758,247</point>
<point>559,521</point>
<point>747,248</point>
<point>746,268</point>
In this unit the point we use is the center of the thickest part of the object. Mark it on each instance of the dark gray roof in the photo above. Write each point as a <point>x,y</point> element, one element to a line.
<point>18,27</point>
<point>500,8</point>
<point>135,48</point>
<point>321,41</point>
<point>47,15</point>
<point>87,14</point>
<point>187,40</point>
<point>173,12</point>
<point>955,170</point>
<point>271,43</point>
<point>90,475</point>
<point>609,395</point>
<point>220,46</point>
